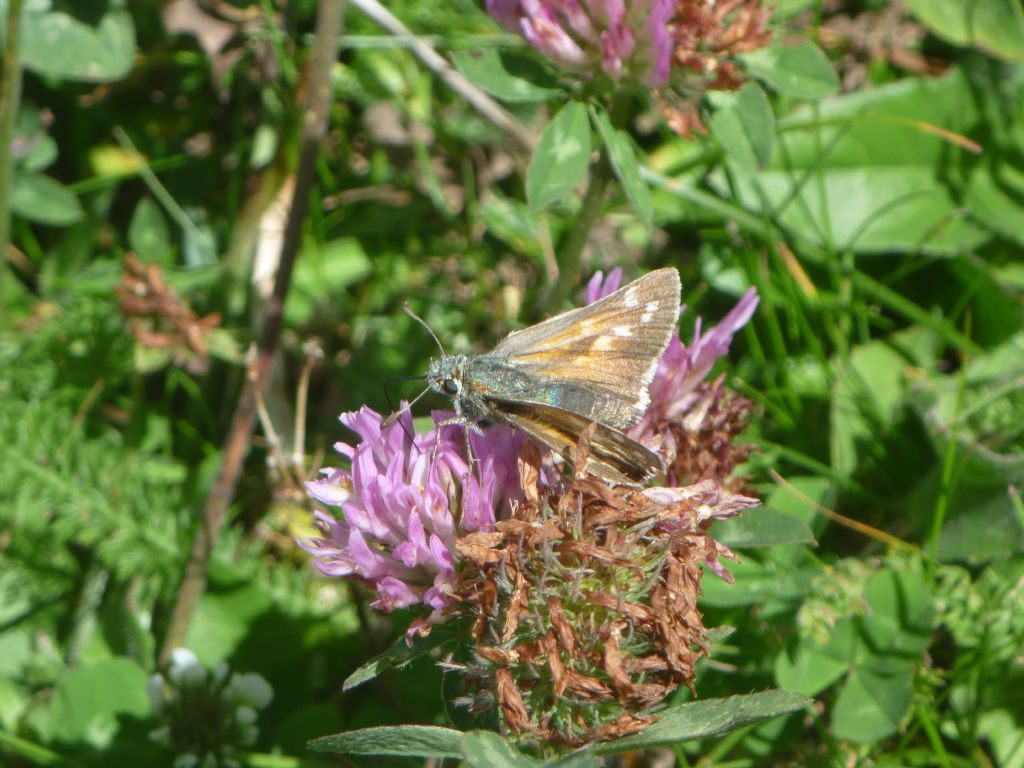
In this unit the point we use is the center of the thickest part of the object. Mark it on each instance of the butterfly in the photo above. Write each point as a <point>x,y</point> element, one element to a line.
<point>588,365</point>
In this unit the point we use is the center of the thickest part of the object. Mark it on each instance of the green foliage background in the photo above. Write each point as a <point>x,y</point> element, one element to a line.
<point>880,214</point>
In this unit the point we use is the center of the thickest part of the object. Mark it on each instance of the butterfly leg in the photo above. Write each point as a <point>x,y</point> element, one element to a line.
<point>467,426</point>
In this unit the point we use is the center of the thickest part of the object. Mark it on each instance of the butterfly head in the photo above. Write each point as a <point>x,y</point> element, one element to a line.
<point>446,373</point>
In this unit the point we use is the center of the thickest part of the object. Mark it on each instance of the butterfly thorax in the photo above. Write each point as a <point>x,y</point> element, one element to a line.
<point>474,382</point>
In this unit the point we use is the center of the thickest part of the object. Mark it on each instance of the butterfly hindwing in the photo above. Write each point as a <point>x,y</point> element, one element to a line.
<point>614,456</point>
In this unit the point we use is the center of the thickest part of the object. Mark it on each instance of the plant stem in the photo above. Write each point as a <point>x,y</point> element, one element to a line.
<point>451,77</point>
<point>10,102</point>
<point>315,115</point>
<point>570,254</point>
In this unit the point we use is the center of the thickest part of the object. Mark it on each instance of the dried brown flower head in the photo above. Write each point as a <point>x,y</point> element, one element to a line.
<point>585,602</point>
<point>160,319</point>
<point>708,35</point>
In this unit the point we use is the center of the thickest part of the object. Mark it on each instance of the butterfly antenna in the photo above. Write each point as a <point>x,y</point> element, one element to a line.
<point>421,321</point>
<point>396,414</point>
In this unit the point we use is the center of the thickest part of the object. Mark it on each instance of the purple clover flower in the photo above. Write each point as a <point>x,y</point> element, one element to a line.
<point>404,502</point>
<point>622,37</point>
<point>682,368</point>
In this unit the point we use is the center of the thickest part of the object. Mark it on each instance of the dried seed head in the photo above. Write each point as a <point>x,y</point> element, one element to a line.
<point>585,607</point>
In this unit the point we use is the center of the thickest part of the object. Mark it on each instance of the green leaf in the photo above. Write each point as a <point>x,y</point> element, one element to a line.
<point>900,614</point>
<point>867,394</point>
<point>36,150</point>
<point>981,520</point>
<point>223,346</point>
<point>148,234</point>
<point>994,26</point>
<point>808,671</point>
<point>863,172</point>
<point>763,527</point>
<point>89,40</point>
<point>224,619</point>
<point>744,124</point>
<point>995,195</point>
<point>14,701</point>
<point>802,71</point>
<point>755,585</point>
<point>583,758</point>
<point>44,200</point>
<point>403,740</point>
<point>514,223</point>
<point>870,706</point>
<point>322,274</point>
<point>395,657</point>
<point>507,75</point>
<point>1002,730</point>
<point>199,245</point>
<point>703,719</point>
<point>623,160</point>
<point>561,158</point>
<point>798,498</point>
<point>88,700</point>
<point>486,749</point>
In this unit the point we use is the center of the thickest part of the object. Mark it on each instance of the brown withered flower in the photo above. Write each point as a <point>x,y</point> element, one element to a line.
<point>160,319</point>
<point>585,602</point>
<point>708,35</point>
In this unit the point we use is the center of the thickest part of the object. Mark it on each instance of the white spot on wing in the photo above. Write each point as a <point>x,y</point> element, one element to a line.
<point>649,309</point>
<point>603,343</point>
<point>631,298</point>
<point>622,330</point>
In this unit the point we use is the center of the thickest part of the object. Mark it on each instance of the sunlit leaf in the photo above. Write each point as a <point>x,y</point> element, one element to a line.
<point>711,717</point>
<point>506,75</point>
<point>403,740</point>
<point>561,158</point>
<point>89,40</point>
<point>624,162</point>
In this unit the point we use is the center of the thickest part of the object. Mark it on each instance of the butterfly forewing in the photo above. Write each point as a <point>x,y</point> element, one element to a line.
<point>612,345</point>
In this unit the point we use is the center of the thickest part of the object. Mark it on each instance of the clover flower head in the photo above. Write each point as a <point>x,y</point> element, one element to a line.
<point>620,38</point>
<point>208,716</point>
<point>404,500</point>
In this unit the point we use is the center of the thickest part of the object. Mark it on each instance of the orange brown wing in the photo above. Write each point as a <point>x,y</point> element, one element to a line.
<point>612,345</point>
<point>614,456</point>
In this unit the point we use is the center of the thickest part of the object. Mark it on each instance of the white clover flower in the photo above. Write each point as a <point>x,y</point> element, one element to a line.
<point>185,669</point>
<point>249,688</point>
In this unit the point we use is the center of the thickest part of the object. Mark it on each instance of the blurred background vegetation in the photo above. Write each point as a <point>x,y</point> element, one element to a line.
<point>877,204</point>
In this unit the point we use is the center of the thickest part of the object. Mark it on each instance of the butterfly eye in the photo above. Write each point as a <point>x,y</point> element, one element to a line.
<point>450,387</point>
